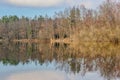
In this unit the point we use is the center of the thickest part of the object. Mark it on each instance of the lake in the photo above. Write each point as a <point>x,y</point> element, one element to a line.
<point>59,61</point>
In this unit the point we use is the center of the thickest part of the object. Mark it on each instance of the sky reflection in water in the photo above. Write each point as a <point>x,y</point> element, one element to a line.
<point>59,62</point>
<point>47,71</point>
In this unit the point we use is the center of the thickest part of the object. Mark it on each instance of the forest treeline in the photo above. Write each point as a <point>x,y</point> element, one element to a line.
<point>76,23</point>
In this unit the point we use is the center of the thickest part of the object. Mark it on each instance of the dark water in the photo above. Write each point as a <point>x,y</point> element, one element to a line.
<point>44,61</point>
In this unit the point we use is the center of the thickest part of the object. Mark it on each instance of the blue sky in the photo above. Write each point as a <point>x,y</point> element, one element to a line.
<point>30,8</point>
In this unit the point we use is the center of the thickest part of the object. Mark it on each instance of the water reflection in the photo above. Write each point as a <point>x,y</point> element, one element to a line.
<point>41,75</point>
<point>85,59</point>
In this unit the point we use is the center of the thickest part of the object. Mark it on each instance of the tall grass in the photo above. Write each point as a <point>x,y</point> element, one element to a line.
<point>103,34</point>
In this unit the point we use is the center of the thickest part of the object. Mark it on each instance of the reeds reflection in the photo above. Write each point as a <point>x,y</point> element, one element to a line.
<point>83,57</point>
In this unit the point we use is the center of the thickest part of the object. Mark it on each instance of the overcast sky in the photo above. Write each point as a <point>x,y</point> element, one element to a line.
<point>31,8</point>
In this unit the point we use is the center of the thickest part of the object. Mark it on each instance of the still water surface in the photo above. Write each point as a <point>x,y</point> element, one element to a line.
<point>44,61</point>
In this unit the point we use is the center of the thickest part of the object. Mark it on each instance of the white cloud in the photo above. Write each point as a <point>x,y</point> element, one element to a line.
<point>87,4</point>
<point>54,3</point>
<point>35,3</point>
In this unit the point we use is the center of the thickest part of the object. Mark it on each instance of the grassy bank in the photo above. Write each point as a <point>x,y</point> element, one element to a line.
<point>94,34</point>
<point>30,40</point>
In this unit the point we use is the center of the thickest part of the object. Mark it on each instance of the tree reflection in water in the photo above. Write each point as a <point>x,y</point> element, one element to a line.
<point>84,57</point>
